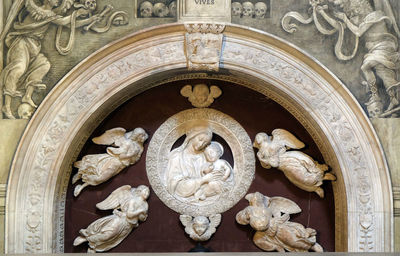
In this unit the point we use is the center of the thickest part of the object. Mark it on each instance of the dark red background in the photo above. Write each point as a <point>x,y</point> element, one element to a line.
<point>163,232</point>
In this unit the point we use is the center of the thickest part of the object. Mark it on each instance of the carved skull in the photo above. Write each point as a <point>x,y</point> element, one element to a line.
<point>236,9</point>
<point>248,9</point>
<point>161,10</point>
<point>25,111</point>
<point>146,9</point>
<point>172,8</point>
<point>260,10</point>
<point>89,5</point>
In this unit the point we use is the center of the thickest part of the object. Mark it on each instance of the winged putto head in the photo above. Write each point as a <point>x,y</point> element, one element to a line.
<point>201,96</point>
<point>200,228</point>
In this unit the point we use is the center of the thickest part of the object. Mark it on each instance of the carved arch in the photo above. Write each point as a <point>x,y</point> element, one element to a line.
<point>271,66</point>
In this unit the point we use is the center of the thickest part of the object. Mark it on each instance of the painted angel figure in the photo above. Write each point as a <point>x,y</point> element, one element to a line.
<point>200,228</point>
<point>125,149</point>
<point>274,231</point>
<point>299,168</point>
<point>377,25</point>
<point>129,208</point>
<point>26,26</point>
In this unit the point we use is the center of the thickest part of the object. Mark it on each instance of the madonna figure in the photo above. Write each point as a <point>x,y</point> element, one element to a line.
<point>187,162</point>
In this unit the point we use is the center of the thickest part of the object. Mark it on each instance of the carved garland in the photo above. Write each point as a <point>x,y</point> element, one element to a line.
<point>41,153</point>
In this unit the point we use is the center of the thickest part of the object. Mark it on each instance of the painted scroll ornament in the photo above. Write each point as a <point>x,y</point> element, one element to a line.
<point>193,178</point>
<point>129,208</point>
<point>274,231</point>
<point>125,149</point>
<point>299,168</point>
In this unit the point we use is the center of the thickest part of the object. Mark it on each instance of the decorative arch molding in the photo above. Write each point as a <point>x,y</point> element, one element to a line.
<point>64,120</point>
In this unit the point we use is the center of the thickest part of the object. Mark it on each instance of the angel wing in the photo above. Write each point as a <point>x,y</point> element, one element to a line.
<point>215,220</point>
<point>215,91</point>
<point>279,204</point>
<point>113,201</point>
<point>37,12</point>
<point>284,137</point>
<point>16,7</point>
<point>186,91</point>
<point>384,5</point>
<point>186,221</point>
<point>110,136</point>
<point>64,6</point>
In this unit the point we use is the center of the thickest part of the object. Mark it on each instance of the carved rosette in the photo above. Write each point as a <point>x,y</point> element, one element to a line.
<point>221,124</point>
<point>203,46</point>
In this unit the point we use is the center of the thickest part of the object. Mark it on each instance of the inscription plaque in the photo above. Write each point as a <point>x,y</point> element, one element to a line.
<point>205,10</point>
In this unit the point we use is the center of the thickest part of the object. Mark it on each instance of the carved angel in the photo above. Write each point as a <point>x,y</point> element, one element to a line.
<point>274,231</point>
<point>378,26</point>
<point>200,228</point>
<point>201,96</point>
<point>129,207</point>
<point>298,167</point>
<point>126,149</point>
<point>26,66</point>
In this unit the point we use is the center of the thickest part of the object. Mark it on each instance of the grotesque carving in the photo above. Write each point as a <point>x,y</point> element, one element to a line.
<point>274,231</point>
<point>146,9</point>
<point>127,148</point>
<point>376,23</point>
<point>160,10</point>
<point>201,96</point>
<point>129,207</point>
<point>236,9</point>
<point>248,9</point>
<point>298,167</point>
<point>172,8</point>
<point>260,10</point>
<point>200,228</point>
<point>194,168</point>
<point>26,66</point>
<point>203,46</point>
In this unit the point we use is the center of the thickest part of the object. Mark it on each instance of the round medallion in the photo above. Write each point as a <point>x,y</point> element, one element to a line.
<point>193,178</point>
